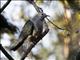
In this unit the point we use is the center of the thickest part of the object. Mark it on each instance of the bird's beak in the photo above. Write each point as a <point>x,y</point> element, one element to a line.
<point>48,16</point>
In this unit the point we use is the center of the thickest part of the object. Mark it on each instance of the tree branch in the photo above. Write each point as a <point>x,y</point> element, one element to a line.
<point>38,9</point>
<point>55,25</point>
<point>5,53</point>
<point>4,6</point>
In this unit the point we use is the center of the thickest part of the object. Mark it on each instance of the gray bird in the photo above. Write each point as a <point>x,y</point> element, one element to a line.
<point>35,24</point>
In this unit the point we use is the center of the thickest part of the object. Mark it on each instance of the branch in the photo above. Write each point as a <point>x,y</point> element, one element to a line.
<point>4,6</point>
<point>38,9</point>
<point>5,53</point>
<point>36,40</point>
<point>55,25</point>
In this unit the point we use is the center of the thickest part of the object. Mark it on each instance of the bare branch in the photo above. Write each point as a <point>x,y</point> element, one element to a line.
<point>55,25</point>
<point>5,53</point>
<point>38,9</point>
<point>4,6</point>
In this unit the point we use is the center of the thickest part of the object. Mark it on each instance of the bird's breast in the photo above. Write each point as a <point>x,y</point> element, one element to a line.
<point>38,25</point>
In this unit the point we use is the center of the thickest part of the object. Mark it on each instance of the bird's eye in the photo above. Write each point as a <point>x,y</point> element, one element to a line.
<point>42,14</point>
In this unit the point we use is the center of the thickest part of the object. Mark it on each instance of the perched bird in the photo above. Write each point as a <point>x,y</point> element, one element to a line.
<point>35,24</point>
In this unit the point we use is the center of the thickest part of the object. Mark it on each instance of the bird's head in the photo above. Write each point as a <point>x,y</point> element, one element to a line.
<point>43,15</point>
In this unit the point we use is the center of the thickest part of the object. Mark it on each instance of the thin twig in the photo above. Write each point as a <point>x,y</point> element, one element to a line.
<point>5,53</point>
<point>55,25</point>
<point>4,6</point>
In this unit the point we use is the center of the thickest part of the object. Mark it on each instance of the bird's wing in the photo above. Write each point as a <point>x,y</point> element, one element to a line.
<point>26,31</point>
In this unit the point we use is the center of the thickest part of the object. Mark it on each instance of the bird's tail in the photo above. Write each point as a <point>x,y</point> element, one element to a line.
<point>18,45</point>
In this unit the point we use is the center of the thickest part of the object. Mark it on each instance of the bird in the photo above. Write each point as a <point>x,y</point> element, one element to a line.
<point>32,25</point>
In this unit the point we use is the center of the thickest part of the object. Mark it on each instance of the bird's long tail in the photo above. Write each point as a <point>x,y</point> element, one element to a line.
<point>18,45</point>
